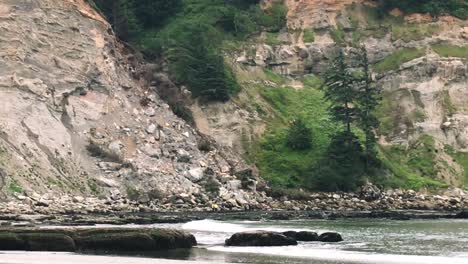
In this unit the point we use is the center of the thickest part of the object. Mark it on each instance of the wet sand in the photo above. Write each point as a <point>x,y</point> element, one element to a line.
<point>69,258</point>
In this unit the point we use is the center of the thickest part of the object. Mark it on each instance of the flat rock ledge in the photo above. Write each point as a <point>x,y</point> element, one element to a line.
<point>94,239</point>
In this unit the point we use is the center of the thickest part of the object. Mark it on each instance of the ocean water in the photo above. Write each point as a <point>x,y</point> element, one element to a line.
<point>375,241</point>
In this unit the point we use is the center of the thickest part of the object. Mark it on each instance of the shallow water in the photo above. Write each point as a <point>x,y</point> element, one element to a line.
<point>366,241</point>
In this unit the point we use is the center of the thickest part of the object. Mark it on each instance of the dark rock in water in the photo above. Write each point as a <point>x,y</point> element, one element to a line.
<point>302,235</point>
<point>34,241</point>
<point>462,215</point>
<point>101,239</point>
<point>260,239</point>
<point>330,237</point>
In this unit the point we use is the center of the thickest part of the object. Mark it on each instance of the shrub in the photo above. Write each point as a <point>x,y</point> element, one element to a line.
<point>299,135</point>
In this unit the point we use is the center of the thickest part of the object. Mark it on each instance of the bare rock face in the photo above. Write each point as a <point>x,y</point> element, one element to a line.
<point>73,118</point>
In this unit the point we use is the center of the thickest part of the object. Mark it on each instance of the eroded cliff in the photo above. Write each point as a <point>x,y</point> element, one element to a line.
<point>78,117</point>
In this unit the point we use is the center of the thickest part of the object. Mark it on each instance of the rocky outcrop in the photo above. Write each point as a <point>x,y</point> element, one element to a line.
<point>81,116</point>
<point>259,239</point>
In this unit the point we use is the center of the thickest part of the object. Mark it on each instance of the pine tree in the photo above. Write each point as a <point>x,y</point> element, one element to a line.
<point>339,91</point>
<point>368,98</point>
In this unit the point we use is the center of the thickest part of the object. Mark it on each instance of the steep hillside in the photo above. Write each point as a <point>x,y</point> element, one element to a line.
<point>419,61</point>
<point>80,115</point>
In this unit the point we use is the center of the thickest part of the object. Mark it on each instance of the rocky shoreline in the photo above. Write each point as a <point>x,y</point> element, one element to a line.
<point>370,203</point>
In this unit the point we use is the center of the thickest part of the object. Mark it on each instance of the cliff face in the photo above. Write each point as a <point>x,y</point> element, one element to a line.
<point>80,113</point>
<point>424,94</point>
<point>77,118</point>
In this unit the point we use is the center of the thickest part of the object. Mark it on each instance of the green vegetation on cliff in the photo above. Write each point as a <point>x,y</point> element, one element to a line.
<point>395,60</point>
<point>446,50</point>
<point>188,34</point>
<point>458,8</point>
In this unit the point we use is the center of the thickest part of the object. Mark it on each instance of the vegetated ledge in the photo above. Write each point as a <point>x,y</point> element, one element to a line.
<point>108,240</point>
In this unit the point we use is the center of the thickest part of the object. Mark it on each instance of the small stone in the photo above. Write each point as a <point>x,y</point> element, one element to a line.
<point>195,175</point>
<point>150,112</point>
<point>151,128</point>
<point>115,146</point>
<point>78,199</point>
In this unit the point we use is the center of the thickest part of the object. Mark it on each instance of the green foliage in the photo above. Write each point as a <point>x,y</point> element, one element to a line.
<point>299,136</point>
<point>274,77</point>
<point>272,38</point>
<point>395,159</point>
<point>15,187</point>
<point>309,36</point>
<point>367,100</point>
<point>447,104</point>
<point>446,50</point>
<point>458,8</point>
<point>421,156</point>
<point>121,14</point>
<point>272,19</point>
<point>280,165</point>
<point>154,13</point>
<point>199,66</point>
<point>339,91</point>
<point>343,168</point>
<point>189,34</point>
<point>338,35</point>
<point>393,61</point>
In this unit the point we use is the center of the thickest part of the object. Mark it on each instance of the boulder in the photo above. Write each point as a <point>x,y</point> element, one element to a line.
<point>302,235</point>
<point>259,239</point>
<point>330,237</point>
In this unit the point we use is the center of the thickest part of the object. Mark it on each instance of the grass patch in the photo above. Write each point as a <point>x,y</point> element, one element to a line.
<point>309,36</point>
<point>447,104</point>
<point>418,116</point>
<point>274,77</point>
<point>393,61</point>
<point>279,164</point>
<point>15,187</point>
<point>413,32</point>
<point>412,167</point>
<point>272,38</point>
<point>446,50</point>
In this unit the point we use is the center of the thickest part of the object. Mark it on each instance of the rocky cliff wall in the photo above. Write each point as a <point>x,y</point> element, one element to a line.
<point>77,118</point>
